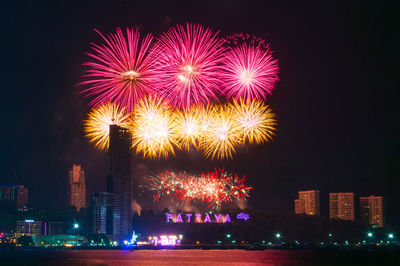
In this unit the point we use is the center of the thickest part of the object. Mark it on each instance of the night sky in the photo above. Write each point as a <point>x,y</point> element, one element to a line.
<point>336,103</point>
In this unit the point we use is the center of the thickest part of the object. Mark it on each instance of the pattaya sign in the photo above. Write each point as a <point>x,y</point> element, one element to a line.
<point>204,218</point>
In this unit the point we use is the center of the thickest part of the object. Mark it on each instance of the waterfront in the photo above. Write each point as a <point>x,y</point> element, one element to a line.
<point>203,257</point>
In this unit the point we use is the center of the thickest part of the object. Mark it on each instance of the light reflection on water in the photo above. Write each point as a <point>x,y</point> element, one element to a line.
<point>187,257</point>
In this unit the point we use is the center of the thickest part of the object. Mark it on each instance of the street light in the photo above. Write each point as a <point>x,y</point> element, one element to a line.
<point>228,235</point>
<point>369,234</point>
<point>76,226</point>
<point>391,236</point>
<point>278,235</point>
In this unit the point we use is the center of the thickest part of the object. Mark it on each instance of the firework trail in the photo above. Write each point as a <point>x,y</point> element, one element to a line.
<point>250,71</point>
<point>153,129</point>
<point>254,120</point>
<point>188,65</point>
<point>121,69</point>
<point>97,125</point>
<point>212,188</point>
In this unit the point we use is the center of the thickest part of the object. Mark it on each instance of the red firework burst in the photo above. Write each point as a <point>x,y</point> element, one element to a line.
<point>249,69</point>
<point>188,65</point>
<point>212,188</point>
<point>121,70</point>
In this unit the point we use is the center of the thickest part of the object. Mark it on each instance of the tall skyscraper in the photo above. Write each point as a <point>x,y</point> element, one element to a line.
<point>372,210</point>
<point>16,194</point>
<point>78,187</point>
<point>299,206</point>
<point>120,182</point>
<point>341,206</point>
<point>100,213</point>
<point>6,193</point>
<point>307,203</point>
<point>22,196</point>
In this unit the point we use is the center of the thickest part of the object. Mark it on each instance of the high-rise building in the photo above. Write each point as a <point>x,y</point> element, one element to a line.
<point>341,206</point>
<point>299,206</point>
<point>100,213</point>
<point>372,210</point>
<point>6,193</point>
<point>78,187</point>
<point>307,203</point>
<point>22,196</point>
<point>120,182</point>
<point>17,194</point>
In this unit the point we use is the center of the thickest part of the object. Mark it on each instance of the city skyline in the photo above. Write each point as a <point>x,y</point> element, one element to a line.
<point>326,100</point>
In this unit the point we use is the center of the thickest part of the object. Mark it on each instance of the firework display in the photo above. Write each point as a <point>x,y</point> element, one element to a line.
<point>121,70</point>
<point>189,127</point>
<point>222,135</point>
<point>254,120</point>
<point>189,89</point>
<point>211,188</point>
<point>153,129</point>
<point>249,70</point>
<point>188,65</point>
<point>97,125</point>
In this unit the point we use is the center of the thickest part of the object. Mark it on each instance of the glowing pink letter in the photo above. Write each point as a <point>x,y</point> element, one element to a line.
<point>169,216</point>
<point>227,218</point>
<point>179,218</point>
<point>207,219</point>
<point>188,215</point>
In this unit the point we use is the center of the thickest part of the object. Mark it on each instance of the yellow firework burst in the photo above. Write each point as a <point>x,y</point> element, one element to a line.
<point>97,125</point>
<point>189,127</point>
<point>153,129</point>
<point>221,138</point>
<point>255,121</point>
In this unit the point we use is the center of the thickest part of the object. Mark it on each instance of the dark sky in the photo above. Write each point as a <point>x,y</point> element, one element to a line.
<point>337,101</point>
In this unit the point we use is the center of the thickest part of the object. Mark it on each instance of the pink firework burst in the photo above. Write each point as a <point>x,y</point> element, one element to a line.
<point>120,70</point>
<point>188,65</point>
<point>250,71</point>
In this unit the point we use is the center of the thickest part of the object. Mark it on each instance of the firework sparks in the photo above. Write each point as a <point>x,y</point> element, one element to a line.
<point>188,65</point>
<point>97,125</point>
<point>222,136</point>
<point>255,120</point>
<point>212,188</point>
<point>121,70</point>
<point>153,129</point>
<point>189,127</point>
<point>249,70</point>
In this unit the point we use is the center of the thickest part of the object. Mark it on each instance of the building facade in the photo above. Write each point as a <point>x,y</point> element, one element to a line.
<point>307,203</point>
<point>17,194</point>
<point>78,187</point>
<point>100,213</point>
<point>371,209</point>
<point>341,206</point>
<point>299,207</point>
<point>22,196</point>
<point>120,182</point>
<point>28,228</point>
